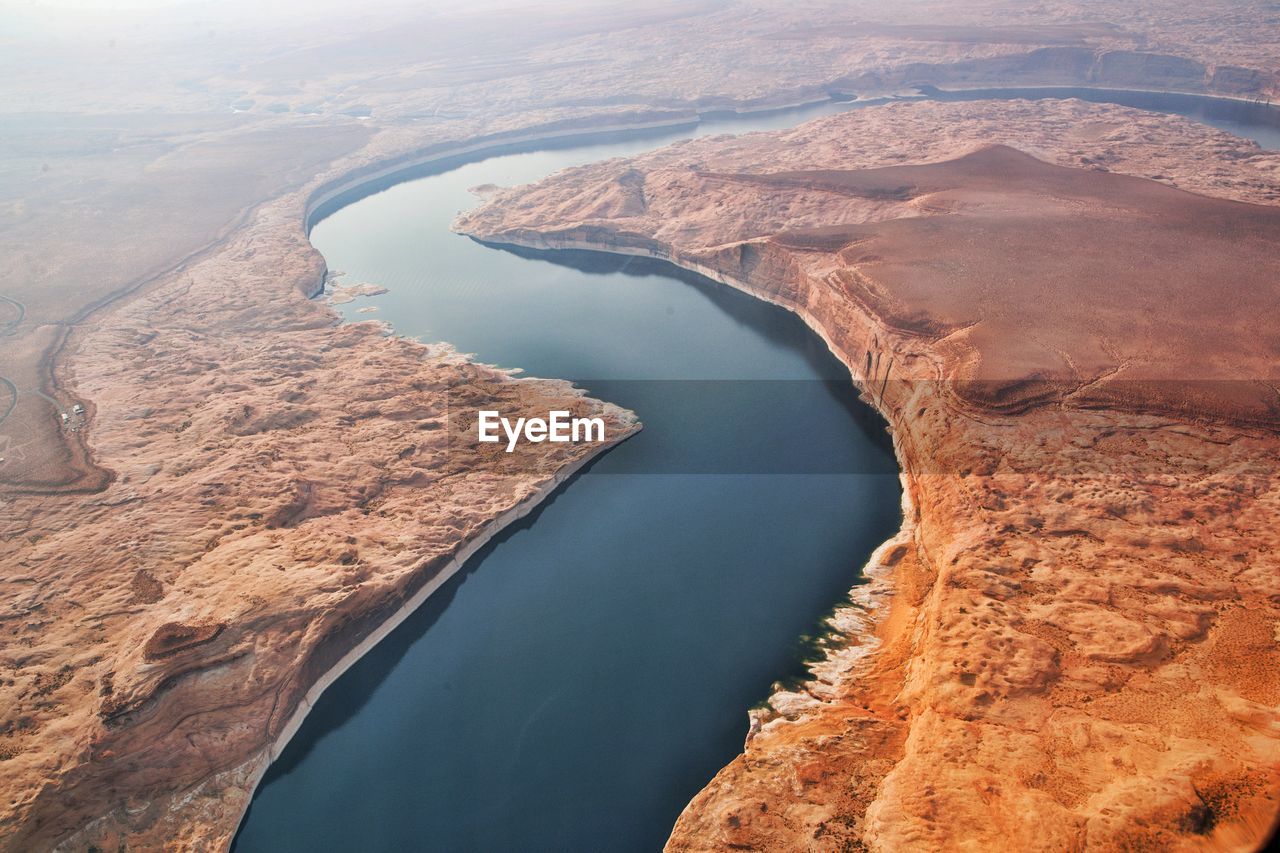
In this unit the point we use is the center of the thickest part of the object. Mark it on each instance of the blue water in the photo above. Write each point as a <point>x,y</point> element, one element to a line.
<point>590,670</point>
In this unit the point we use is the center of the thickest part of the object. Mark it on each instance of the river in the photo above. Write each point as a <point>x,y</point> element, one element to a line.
<point>590,670</point>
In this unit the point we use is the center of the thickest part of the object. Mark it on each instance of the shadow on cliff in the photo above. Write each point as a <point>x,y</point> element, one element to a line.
<point>777,325</point>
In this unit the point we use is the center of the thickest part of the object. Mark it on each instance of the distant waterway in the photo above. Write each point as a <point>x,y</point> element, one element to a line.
<point>590,670</point>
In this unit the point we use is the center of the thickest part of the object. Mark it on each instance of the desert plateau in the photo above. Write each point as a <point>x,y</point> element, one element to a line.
<point>952,521</point>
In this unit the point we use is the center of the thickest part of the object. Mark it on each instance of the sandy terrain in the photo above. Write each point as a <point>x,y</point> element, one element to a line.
<point>251,491</point>
<point>1081,649</point>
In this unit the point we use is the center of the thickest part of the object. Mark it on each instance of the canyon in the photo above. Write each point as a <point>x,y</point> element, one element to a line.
<point>1079,648</point>
<point>253,493</point>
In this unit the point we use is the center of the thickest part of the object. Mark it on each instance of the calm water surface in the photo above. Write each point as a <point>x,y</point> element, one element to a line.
<point>590,670</point>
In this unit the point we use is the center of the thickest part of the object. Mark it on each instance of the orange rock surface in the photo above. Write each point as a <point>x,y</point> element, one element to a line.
<point>1075,639</point>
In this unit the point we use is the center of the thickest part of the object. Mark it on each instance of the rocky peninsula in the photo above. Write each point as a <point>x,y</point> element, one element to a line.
<point>1054,307</point>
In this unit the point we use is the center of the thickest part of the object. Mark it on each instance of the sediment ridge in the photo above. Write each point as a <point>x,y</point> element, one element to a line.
<point>1081,645</point>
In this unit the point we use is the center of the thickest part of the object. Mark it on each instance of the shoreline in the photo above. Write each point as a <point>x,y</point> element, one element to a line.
<point>361,181</point>
<point>392,171</point>
<point>360,184</point>
<point>879,592</point>
<point>272,752</point>
<point>477,150</point>
<point>877,596</point>
<point>875,619</point>
<point>1204,96</point>
<point>860,756</point>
